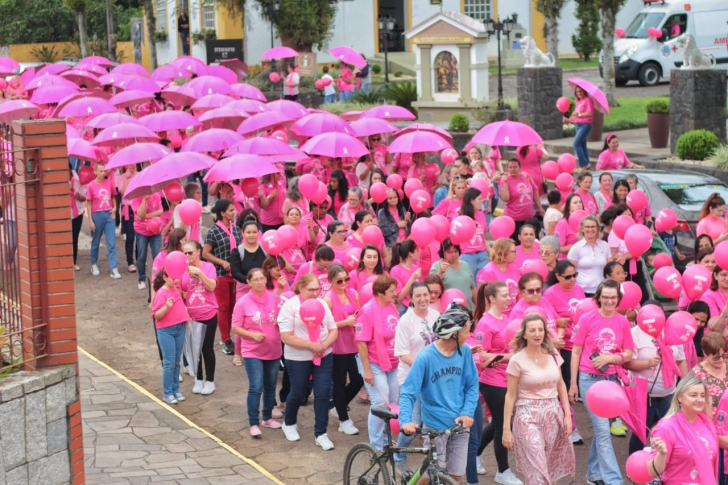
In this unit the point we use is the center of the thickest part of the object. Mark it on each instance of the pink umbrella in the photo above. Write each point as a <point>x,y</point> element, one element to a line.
<point>507,133</point>
<point>72,132</point>
<point>27,75</point>
<point>237,66</point>
<point>348,55</point>
<point>225,117</point>
<point>636,417</point>
<point>389,112</point>
<point>224,73</point>
<point>168,72</point>
<point>597,95</point>
<point>87,107</point>
<point>212,140</point>
<point>84,150</point>
<point>240,167</point>
<point>109,119</point>
<point>51,94</point>
<point>92,68</point>
<point>335,145</point>
<point>138,83</point>
<point>138,153</point>
<point>52,69</point>
<point>101,61</point>
<point>112,78</point>
<point>204,85</point>
<point>169,169</point>
<point>351,115</point>
<point>77,95</point>
<point>372,126</point>
<point>211,101</point>
<point>263,121</point>
<point>419,141</point>
<point>126,99</point>
<point>424,127</point>
<point>290,108</point>
<point>250,106</point>
<point>130,68</point>
<point>9,64</point>
<point>169,120</point>
<point>280,52</point>
<point>245,90</point>
<point>268,147</point>
<point>124,134</point>
<point>315,124</point>
<point>179,95</point>
<point>50,80</point>
<point>190,65</point>
<point>82,77</point>
<point>16,109</point>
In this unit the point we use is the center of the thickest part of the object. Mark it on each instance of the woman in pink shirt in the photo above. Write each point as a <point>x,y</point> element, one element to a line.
<point>271,195</point>
<point>276,278</point>
<point>475,251</point>
<point>530,158</point>
<point>336,240</point>
<point>502,268</point>
<point>316,223</point>
<point>530,287</point>
<point>394,220</point>
<point>345,82</point>
<point>294,198</point>
<point>520,194</point>
<point>567,236</point>
<point>529,248</point>
<point>295,256</point>
<point>101,207</point>
<point>380,155</point>
<point>417,171</point>
<point>717,299</point>
<point>254,320</point>
<point>146,208</point>
<point>344,305</point>
<point>604,194</point>
<point>198,286</point>
<point>712,219</point>
<point>584,181</point>
<point>338,191</point>
<point>170,316</point>
<point>450,205</point>
<point>371,266</point>
<point>582,117</point>
<point>613,157</point>
<point>405,270</point>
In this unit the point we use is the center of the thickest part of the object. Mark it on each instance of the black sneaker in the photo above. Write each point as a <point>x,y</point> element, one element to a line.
<point>589,481</point>
<point>228,347</point>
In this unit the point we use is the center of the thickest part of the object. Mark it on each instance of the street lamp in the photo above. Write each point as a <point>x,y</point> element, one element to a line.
<point>271,10</point>
<point>387,25</point>
<point>505,27</point>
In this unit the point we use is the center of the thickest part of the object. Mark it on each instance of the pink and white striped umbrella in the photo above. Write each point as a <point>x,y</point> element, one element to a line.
<point>16,109</point>
<point>289,108</point>
<point>389,112</point>
<point>249,106</point>
<point>263,121</point>
<point>271,148</point>
<point>315,124</point>
<point>130,68</point>
<point>169,120</point>
<point>49,80</point>
<point>87,107</point>
<point>82,77</point>
<point>372,126</point>
<point>335,145</point>
<point>51,94</point>
<point>224,73</point>
<point>204,85</point>
<point>138,153</point>
<point>240,167</point>
<point>169,169</point>
<point>418,142</point>
<point>212,140</point>
<point>127,99</point>
<point>225,117</point>
<point>245,90</point>
<point>124,134</point>
<point>211,101</point>
<point>179,95</point>
<point>109,119</point>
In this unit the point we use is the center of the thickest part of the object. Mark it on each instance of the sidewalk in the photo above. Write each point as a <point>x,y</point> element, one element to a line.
<point>130,437</point>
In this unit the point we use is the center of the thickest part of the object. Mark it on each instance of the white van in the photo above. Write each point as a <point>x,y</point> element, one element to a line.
<point>638,56</point>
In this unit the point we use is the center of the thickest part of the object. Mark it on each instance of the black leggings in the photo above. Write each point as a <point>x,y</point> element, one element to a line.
<point>345,364</point>
<point>566,367</point>
<point>208,350</point>
<point>128,226</point>
<point>495,398</point>
<point>76,224</point>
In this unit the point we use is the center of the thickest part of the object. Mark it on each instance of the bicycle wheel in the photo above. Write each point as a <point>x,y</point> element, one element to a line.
<point>362,468</point>
<point>444,479</point>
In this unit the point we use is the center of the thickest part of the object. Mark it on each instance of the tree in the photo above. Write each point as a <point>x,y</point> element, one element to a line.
<point>78,7</point>
<point>551,9</point>
<point>151,24</point>
<point>586,41</point>
<point>608,10</point>
<point>35,21</point>
<point>110,30</point>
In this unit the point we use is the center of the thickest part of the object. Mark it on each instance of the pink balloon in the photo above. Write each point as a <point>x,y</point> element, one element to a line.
<point>365,293</point>
<point>575,219</point>
<point>320,195</point>
<point>537,310</point>
<point>637,466</point>
<point>308,185</point>
<point>564,181</point>
<point>621,224</point>
<point>550,170</point>
<point>394,424</point>
<point>651,319</point>
<point>450,296</point>
<point>502,226</point>
<point>280,135</point>
<point>189,211</point>
<point>695,281</point>
<point>422,232</point>
<point>680,328</point>
<point>175,264</point>
<point>319,83</point>
<point>566,163</point>
<point>351,261</point>
<point>619,32</point>
<point>372,235</point>
<point>174,192</point>
<point>400,193</point>
<point>536,266</point>
<point>637,200</point>
<point>665,220</point>
<point>432,171</point>
<point>327,81</point>
<point>668,281</point>
<point>482,185</point>
<point>312,312</point>
<point>442,227</point>
<point>511,330</point>
<point>274,77</point>
<point>394,181</point>
<point>86,174</point>
<point>563,104</point>
<point>250,186</point>
<point>287,295</point>
<point>638,240</point>
<point>420,200</point>
<point>272,242</point>
<point>3,84</point>
<point>661,260</point>
<point>288,235</point>
<point>721,254</point>
<point>631,295</point>
<point>154,225</point>
<point>410,186</point>
<point>462,229</point>
<point>448,156</point>
<point>378,192</point>
<point>584,306</point>
<point>607,399</point>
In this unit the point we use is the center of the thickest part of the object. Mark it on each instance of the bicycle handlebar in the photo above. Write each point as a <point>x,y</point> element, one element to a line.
<point>434,433</point>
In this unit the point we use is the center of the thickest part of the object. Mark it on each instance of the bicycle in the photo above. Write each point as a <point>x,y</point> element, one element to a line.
<point>365,465</point>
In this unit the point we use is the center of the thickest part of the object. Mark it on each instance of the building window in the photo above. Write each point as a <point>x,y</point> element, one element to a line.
<point>162,15</point>
<point>208,14</point>
<point>478,9</point>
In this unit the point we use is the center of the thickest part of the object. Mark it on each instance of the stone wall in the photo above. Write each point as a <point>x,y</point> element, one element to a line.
<point>697,101</point>
<point>538,90</point>
<point>35,426</point>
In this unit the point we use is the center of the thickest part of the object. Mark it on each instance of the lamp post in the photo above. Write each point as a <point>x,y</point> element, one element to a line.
<point>271,10</point>
<point>386,25</point>
<point>505,27</point>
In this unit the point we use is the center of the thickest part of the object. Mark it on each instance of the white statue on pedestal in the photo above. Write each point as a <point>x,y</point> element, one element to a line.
<point>534,56</point>
<point>693,58</point>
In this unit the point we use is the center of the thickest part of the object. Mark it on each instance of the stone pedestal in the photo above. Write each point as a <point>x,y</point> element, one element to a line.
<point>697,101</point>
<point>538,90</point>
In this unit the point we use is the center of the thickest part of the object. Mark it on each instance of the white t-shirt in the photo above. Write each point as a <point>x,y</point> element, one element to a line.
<point>412,335</point>
<point>590,262</point>
<point>289,320</point>
<point>295,79</point>
<point>360,169</point>
<point>329,90</point>
<point>551,215</point>
<point>645,348</point>
<point>177,221</point>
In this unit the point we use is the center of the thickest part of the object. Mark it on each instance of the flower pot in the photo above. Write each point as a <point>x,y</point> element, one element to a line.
<point>597,126</point>
<point>658,126</point>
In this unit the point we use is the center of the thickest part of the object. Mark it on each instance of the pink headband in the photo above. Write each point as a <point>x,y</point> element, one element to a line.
<point>610,136</point>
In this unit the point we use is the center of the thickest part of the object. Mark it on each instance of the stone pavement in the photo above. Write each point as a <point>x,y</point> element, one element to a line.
<point>130,437</point>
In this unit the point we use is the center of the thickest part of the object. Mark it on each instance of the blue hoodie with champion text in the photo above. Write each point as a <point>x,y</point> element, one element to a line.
<point>447,387</point>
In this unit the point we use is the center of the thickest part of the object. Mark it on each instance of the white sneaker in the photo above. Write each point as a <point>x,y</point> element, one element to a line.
<point>291,432</point>
<point>208,388</point>
<point>76,267</point>
<point>115,274</point>
<point>507,478</point>
<point>118,231</point>
<point>347,427</point>
<point>206,210</point>
<point>479,466</point>
<point>197,389</point>
<point>94,270</point>
<point>324,442</point>
<point>142,285</point>
<point>333,412</point>
<point>576,437</point>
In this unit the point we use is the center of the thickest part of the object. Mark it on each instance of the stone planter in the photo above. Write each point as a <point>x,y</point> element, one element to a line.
<point>597,126</point>
<point>658,126</point>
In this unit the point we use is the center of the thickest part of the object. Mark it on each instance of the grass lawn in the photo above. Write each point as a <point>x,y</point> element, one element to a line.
<point>629,114</point>
<point>565,64</point>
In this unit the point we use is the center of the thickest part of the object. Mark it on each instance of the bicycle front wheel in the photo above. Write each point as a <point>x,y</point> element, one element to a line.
<point>444,479</point>
<point>362,467</point>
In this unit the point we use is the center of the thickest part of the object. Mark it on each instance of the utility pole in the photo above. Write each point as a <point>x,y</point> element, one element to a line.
<point>110,30</point>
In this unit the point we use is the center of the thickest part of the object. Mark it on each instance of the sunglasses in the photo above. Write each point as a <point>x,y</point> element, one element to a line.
<point>375,139</point>
<point>187,253</point>
<point>534,291</point>
<point>569,276</point>
<point>343,280</point>
<point>718,357</point>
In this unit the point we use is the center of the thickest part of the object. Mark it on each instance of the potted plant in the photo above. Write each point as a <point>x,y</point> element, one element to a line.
<point>160,36</point>
<point>658,122</point>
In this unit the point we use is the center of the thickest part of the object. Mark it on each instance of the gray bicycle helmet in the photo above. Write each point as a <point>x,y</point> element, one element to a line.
<point>451,322</point>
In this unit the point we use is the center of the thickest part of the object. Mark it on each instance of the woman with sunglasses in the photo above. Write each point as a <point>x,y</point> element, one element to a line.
<point>394,221</point>
<point>405,270</point>
<point>344,305</point>
<point>379,152</point>
<point>567,236</point>
<point>502,267</point>
<point>198,287</point>
<point>530,286</point>
<point>450,205</point>
<point>589,255</point>
<point>712,369</point>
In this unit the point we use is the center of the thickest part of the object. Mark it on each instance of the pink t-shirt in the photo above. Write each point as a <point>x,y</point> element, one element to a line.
<point>273,214</point>
<point>680,459</point>
<point>402,275</point>
<point>477,243</point>
<point>320,235</point>
<point>154,204</point>
<point>520,309</point>
<point>510,277</point>
<point>520,205</point>
<point>566,235</point>
<point>373,324</point>
<point>589,201</point>
<point>490,333</point>
<point>201,303</point>
<point>345,73</point>
<point>323,276</point>
<point>585,105</point>
<point>361,278</point>
<point>296,255</point>
<point>416,172</point>
<point>609,160</point>
<point>711,226</point>
<point>381,154</point>
<point>346,339</point>
<point>597,333</point>
<point>402,163</point>
<point>531,164</point>
<point>565,303</point>
<point>259,314</point>
<point>522,257</point>
<point>641,216</point>
<point>716,301</point>
<point>301,203</point>
<point>339,251</point>
<point>101,196</point>
<point>534,381</point>
<point>176,314</point>
<point>449,208</point>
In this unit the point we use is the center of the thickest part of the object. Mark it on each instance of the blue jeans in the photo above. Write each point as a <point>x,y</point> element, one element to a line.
<point>476,261</point>
<point>105,225</point>
<point>299,372</point>
<point>476,431</point>
<point>602,463</point>
<point>365,87</point>
<point>262,378</point>
<point>171,340</point>
<point>329,98</point>
<point>345,95</point>
<point>582,153</point>
<point>403,441</point>
<point>656,410</point>
<point>155,242</point>
<point>384,391</point>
